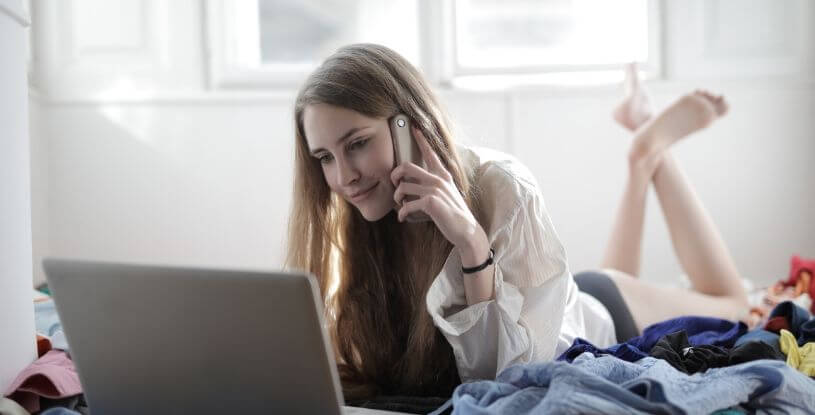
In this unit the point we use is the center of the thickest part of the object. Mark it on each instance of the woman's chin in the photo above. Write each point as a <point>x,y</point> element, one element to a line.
<point>373,214</point>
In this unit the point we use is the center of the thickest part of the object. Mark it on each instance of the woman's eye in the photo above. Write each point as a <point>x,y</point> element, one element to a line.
<point>325,158</point>
<point>358,144</point>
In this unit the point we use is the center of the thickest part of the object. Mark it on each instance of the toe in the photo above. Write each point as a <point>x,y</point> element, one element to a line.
<point>722,106</point>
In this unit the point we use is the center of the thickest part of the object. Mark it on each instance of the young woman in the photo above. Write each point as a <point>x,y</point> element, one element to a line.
<point>416,308</point>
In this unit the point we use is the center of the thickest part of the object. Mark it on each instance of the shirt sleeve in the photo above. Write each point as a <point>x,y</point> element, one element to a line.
<point>531,279</point>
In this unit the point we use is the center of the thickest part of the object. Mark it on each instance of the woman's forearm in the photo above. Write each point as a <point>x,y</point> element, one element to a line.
<point>478,286</point>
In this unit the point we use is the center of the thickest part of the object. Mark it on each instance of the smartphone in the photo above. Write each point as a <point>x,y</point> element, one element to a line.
<point>405,149</point>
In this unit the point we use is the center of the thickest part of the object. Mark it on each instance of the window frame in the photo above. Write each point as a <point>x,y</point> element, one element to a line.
<point>233,49</point>
<point>444,69</point>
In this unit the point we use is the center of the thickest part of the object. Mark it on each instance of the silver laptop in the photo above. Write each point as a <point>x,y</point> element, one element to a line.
<point>154,339</point>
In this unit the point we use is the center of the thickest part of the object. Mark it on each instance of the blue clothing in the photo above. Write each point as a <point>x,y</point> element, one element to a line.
<point>59,411</point>
<point>801,323</point>
<point>795,315</point>
<point>806,333</point>
<point>622,351</point>
<point>700,330</point>
<point>612,386</point>
<point>761,335</point>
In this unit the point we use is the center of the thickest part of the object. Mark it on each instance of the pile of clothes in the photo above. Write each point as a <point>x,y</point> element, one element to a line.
<point>798,287</point>
<point>679,366</point>
<point>50,385</point>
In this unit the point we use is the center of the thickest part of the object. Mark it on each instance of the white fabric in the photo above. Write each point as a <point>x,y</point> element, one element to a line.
<point>537,311</point>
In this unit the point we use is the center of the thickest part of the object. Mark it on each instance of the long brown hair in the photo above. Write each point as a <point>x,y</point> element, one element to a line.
<point>374,276</point>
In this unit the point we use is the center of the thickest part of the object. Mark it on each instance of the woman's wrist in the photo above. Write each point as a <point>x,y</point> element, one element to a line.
<point>476,250</point>
<point>478,286</point>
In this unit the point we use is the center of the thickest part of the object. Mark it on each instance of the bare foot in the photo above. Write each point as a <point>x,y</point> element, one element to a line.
<point>635,108</point>
<point>718,101</point>
<point>690,113</point>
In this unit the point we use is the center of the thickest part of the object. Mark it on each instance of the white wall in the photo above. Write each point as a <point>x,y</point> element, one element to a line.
<point>18,341</point>
<point>140,161</point>
<point>200,183</point>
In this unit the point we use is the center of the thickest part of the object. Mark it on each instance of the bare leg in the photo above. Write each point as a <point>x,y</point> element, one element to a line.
<point>651,302</point>
<point>699,247</point>
<point>696,239</point>
<point>625,242</point>
<point>718,291</point>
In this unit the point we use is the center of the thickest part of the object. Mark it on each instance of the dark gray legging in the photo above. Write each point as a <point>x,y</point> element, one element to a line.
<point>601,287</point>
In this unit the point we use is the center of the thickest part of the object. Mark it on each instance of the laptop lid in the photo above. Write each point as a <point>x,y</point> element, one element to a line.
<point>155,339</point>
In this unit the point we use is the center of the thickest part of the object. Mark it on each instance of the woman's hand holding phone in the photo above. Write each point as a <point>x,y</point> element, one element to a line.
<point>438,197</point>
<point>406,151</point>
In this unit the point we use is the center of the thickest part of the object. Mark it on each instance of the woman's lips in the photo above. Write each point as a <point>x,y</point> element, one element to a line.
<point>363,194</point>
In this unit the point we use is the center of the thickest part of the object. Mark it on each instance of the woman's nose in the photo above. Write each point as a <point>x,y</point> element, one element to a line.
<point>347,173</point>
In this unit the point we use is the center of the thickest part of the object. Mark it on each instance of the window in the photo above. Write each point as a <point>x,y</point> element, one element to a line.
<point>277,43</point>
<point>577,40</point>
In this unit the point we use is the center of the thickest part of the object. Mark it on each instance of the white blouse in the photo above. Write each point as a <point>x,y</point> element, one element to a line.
<point>537,311</point>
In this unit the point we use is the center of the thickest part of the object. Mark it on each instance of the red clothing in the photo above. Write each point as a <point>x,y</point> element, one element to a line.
<point>797,265</point>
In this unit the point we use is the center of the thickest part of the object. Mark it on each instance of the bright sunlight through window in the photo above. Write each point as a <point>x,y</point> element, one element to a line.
<point>491,43</point>
<point>533,35</point>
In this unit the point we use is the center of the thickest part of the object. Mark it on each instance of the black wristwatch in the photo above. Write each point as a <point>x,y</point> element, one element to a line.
<point>477,268</point>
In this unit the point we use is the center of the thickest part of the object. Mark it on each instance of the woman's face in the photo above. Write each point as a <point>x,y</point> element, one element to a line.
<point>356,154</point>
